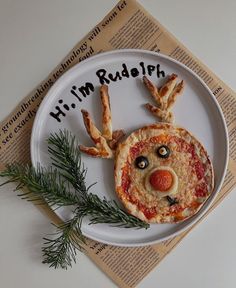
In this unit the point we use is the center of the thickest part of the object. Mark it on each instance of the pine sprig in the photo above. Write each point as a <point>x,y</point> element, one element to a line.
<point>65,185</point>
<point>108,211</point>
<point>65,154</point>
<point>63,149</point>
<point>60,251</point>
<point>42,185</point>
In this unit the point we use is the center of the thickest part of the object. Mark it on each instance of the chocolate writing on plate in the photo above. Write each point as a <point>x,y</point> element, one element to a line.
<point>80,93</point>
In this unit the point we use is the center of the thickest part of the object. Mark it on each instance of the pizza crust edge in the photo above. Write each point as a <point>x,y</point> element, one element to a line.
<point>122,155</point>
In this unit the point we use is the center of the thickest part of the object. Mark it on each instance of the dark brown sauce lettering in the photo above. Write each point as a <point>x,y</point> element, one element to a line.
<point>105,77</point>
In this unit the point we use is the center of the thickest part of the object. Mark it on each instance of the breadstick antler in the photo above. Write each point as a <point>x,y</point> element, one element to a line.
<point>165,97</point>
<point>105,141</point>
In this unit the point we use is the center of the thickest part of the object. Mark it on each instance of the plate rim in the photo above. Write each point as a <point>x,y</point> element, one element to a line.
<point>202,212</point>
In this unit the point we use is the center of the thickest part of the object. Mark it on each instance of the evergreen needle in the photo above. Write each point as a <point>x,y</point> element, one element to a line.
<point>42,185</point>
<point>64,184</point>
<point>60,251</point>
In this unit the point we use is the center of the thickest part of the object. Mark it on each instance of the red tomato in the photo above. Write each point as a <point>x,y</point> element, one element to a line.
<point>161,180</point>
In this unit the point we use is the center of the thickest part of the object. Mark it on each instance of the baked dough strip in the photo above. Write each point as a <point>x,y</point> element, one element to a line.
<point>105,142</point>
<point>165,97</point>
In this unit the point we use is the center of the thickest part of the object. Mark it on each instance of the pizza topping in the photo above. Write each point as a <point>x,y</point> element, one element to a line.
<point>177,179</point>
<point>141,162</point>
<point>137,149</point>
<point>149,212</point>
<point>200,171</point>
<point>163,151</point>
<point>201,190</point>
<point>172,201</point>
<point>125,179</point>
<point>161,180</point>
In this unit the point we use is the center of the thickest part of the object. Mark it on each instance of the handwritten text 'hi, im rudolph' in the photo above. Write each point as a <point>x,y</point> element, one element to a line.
<point>104,77</point>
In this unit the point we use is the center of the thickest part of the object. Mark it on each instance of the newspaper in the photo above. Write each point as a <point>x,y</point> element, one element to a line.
<point>128,25</point>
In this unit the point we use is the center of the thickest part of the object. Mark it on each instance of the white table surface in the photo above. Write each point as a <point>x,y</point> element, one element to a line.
<point>34,37</point>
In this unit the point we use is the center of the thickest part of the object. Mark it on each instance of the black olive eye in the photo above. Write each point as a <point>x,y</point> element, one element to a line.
<point>141,162</point>
<point>163,151</point>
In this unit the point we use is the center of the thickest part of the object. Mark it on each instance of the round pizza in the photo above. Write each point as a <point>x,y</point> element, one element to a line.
<point>162,173</point>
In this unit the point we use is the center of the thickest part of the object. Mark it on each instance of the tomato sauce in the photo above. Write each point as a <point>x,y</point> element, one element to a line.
<point>148,212</point>
<point>199,169</point>
<point>137,148</point>
<point>141,145</point>
<point>125,179</point>
<point>201,190</point>
<point>182,146</point>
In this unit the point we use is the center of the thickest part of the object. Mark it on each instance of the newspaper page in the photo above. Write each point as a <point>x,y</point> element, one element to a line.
<point>128,25</point>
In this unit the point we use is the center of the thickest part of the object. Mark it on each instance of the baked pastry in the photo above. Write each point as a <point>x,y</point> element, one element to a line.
<point>162,172</point>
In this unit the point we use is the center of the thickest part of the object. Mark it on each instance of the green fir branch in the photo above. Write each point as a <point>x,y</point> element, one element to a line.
<point>64,151</point>
<point>108,211</point>
<point>60,251</point>
<point>65,185</point>
<point>42,185</point>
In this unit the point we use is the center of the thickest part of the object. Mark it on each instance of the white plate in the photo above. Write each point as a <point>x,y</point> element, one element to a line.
<point>196,110</point>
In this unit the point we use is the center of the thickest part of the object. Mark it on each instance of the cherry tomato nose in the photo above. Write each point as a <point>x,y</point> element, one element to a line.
<point>161,180</point>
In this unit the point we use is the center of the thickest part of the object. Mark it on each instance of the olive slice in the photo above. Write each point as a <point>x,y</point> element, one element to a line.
<point>141,162</point>
<point>171,201</point>
<point>163,151</point>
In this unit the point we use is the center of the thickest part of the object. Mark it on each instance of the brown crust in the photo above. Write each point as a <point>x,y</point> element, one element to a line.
<point>178,90</point>
<point>94,152</point>
<point>167,89</point>
<point>106,113</point>
<point>153,91</point>
<point>123,155</point>
<point>92,131</point>
<point>163,115</point>
<point>116,138</point>
<point>102,149</point>
<point>106,141</point>
<point>165,97</point>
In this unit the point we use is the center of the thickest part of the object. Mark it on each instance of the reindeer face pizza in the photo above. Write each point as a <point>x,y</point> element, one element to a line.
<point>162,173</point>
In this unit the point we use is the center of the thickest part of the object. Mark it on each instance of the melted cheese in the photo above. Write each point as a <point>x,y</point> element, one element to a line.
<point>132,184</point>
